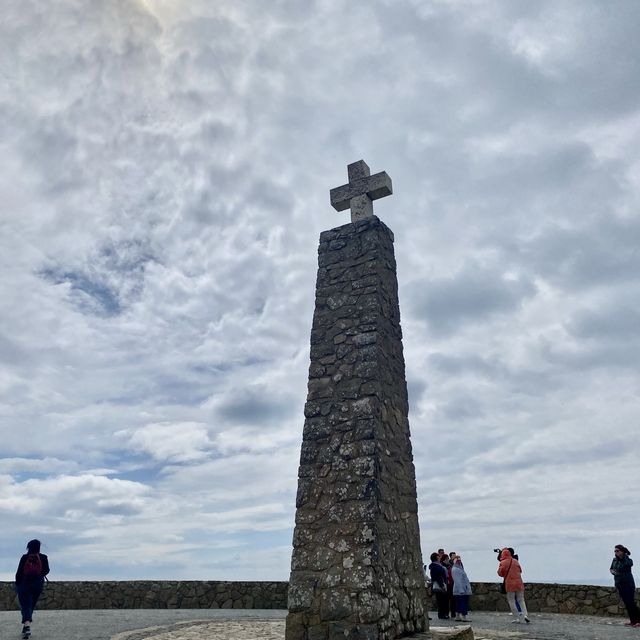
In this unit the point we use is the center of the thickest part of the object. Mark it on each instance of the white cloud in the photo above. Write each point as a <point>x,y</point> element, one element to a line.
<point>166,169</point>
<point>170,442</point>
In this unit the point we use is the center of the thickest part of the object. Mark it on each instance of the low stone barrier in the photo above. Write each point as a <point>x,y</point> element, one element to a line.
<point>551,598</point>
<point>142,594</point>
<point>154,595</point>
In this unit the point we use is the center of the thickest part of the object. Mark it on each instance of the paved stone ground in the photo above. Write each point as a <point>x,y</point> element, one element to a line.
<point>242,624</point>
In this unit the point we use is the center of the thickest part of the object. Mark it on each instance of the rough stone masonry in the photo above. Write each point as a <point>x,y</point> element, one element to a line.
<point>356,569</point>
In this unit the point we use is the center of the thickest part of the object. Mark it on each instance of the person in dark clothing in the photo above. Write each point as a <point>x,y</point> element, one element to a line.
<point>448,565</point>
<point>439,586</point>
<point>32,569</point>
<point>624,582</point>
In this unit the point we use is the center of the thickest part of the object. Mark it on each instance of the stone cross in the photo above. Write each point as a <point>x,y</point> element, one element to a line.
<point>362,190</point>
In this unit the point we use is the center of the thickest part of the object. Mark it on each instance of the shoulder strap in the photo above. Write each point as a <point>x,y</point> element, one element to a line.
<point>509,569</point>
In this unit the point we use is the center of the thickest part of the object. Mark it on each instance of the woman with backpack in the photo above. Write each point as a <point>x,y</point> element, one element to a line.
<point>32,569</point>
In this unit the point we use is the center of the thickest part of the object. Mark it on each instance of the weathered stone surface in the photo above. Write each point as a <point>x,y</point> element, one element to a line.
<point>358,195</point>
<point>356,520</point>
<point>452,633</point>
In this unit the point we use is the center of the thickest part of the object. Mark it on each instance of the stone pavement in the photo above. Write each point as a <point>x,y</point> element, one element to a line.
<point>245,624</point>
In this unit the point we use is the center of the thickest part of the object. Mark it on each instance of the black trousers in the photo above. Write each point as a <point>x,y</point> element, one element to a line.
<point>442,601</point>
<point>628,595</point>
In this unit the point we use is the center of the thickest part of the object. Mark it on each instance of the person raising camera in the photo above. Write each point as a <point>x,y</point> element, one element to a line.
<point>624,582</point>
<point>510,569</point>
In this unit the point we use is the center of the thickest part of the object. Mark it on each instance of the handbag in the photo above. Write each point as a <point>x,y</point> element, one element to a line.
<point>437,587</point>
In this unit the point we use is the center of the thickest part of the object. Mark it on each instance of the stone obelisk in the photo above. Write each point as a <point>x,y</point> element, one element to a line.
<point>356,567</point>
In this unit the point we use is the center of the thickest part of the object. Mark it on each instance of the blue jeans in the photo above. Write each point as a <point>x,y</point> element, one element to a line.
<point>28,593</point>
<point>628,595</point>
<point>462,605</point>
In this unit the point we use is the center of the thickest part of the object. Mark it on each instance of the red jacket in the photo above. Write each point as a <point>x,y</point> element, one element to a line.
<point>511,570</point>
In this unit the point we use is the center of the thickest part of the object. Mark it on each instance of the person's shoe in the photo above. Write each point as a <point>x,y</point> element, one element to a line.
<point>458,619</point>
<point>629,624</point>
<point>26,631</point>
<point>637,624</point>
<point>516,621</point>
<point>526,619</point>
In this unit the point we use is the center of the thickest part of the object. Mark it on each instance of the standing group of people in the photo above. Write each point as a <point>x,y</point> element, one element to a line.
<point>452,589</point>
<point>450,585</point>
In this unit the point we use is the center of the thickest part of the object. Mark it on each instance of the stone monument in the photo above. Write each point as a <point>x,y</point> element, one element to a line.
<point>356,567</point>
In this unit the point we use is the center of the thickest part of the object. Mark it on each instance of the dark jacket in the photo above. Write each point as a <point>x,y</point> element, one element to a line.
<point>438,574</point>
<point>20,572</point>
<point>622,567</point>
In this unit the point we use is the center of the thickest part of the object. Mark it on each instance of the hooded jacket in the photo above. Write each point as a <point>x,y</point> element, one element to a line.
<point>510,569</point>
<point>461,584</point>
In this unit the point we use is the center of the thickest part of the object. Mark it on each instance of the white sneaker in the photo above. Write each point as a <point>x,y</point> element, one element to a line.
<point>516,621</point>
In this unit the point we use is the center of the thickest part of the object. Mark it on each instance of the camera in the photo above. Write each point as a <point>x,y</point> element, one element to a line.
<point>497,550</point>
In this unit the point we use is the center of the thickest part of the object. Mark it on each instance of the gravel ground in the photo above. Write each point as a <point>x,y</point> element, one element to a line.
<point>243,624</point>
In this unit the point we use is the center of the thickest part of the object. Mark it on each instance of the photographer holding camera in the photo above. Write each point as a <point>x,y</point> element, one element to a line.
<point>510,569</point>
<point>624,582</point>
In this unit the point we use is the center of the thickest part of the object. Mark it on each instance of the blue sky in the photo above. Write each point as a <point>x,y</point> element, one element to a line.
<point>166,175</point>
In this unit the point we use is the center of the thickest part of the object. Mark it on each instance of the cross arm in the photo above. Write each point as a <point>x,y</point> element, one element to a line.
<point>375,186</point>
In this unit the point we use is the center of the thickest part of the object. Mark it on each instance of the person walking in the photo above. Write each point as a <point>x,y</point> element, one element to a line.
<point>624,582</point>
<point>510,569</point>
<point>32,569</point>
<point>439,586</point>
<point>461,590</point>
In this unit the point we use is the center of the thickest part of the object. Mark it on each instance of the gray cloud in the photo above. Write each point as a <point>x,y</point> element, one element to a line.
<point>608,322</point>
<point>472,294</point>
<point>166,168</point>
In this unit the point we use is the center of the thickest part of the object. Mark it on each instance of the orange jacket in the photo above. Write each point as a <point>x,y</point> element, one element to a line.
<point>510,569</point>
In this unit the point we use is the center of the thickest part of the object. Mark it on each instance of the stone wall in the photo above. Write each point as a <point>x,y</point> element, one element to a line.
<point>155,595</point>
<point>541,598</point>
<point>356,567</point>
<point>551,598</point>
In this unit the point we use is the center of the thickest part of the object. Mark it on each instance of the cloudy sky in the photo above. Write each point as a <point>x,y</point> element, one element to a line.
<point>166,167</point>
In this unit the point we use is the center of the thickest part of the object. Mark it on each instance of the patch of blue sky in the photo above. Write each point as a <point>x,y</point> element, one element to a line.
<point>129,465</point>
<point>88,293</point>
<point>143,475</point>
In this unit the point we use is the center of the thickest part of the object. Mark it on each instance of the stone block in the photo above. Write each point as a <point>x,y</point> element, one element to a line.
<point>452,633</point>
<point>335,604</point>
